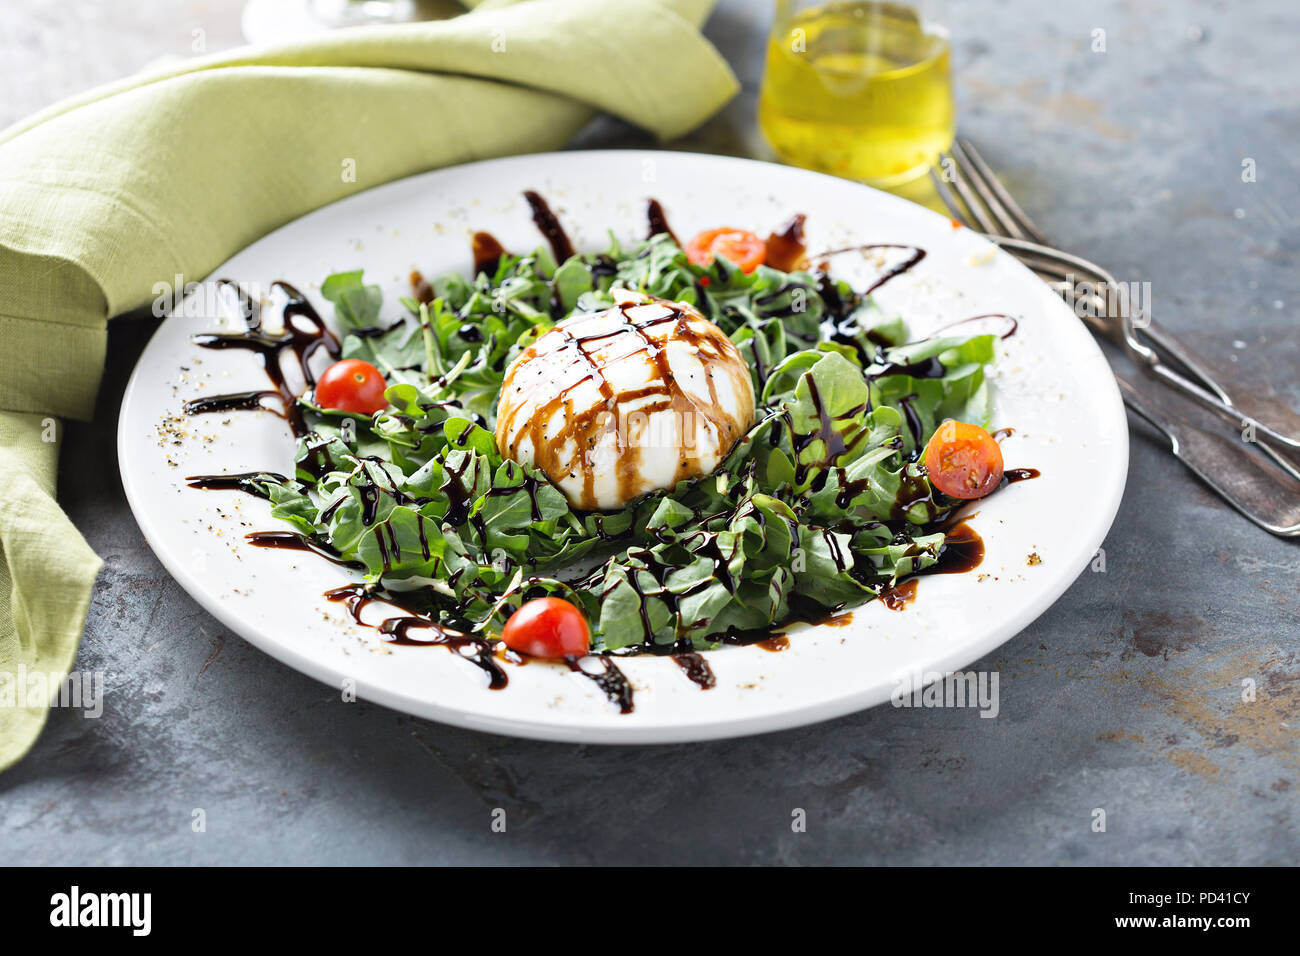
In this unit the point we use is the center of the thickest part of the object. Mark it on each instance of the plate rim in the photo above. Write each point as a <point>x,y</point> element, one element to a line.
<point>571,728</point>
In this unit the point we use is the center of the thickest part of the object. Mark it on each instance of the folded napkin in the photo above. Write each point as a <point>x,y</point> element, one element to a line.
<point>171,171</point>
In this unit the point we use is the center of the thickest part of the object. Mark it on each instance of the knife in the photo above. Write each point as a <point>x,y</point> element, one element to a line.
<point>1259,489</point>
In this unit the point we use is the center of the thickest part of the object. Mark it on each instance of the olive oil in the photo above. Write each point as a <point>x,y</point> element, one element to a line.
<point>857,89</point>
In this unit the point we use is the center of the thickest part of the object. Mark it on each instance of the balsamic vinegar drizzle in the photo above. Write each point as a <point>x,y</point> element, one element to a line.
<point>963,550</point>
<point>1012,475</point>
<point>397,630</point>
<point>658,222</point>
<point>612,681</point>
<point>421,290</point>
<point>839,326</point>
<point>305,333</point>
<point>898,596</point>
<point>550,227</point>
<point>1014,323</point>
<point>487,253</point>
<point>235,402</point>
<point>697,669</point>
<point>295,340</point>
<point>917,254</point>
<point>243,481</point>
<point>293,541</point>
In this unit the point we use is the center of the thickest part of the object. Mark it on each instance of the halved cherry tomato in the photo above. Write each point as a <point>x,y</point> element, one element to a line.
<point>547,627</point>
<point>740,246</point>
<point>964,461</point>
<point>352,386</point>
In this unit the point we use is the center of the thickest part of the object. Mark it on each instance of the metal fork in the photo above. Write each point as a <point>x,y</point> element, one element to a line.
<point>1106,306</point>
<point>1267,496</point>
<point>982,202</point>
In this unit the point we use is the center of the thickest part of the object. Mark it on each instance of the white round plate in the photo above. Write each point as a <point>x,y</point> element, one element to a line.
<point>1051,384</point>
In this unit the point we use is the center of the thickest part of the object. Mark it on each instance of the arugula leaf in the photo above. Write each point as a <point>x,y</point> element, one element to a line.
<point>356,305</point>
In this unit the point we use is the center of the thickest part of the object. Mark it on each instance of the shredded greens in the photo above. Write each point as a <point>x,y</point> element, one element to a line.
<point>821,505</point>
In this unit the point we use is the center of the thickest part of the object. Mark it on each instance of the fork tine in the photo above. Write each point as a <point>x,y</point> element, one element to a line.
<point>997,189</point>
<point>969,197</point>
<point>1045,263</point>
<point>1006,221</point>
<point>959,214</point>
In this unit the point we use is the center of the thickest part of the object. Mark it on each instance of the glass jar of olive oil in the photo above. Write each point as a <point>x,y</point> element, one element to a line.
<point>858,89</point>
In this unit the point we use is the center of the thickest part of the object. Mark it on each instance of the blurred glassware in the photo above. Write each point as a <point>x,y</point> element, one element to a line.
<point>858,88</point>
<point>272,21</point>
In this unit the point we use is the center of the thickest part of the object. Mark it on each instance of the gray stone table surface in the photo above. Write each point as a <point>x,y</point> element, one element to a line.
<point>1125,696</point>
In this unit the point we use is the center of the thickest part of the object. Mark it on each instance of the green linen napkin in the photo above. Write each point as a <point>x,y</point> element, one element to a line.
<point>170,172</point>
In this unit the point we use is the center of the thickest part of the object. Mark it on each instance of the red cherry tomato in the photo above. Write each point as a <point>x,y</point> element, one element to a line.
<point>547,627</point>
<point>739,246</point>
<point>352,386</point>
<point>964,461</point>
